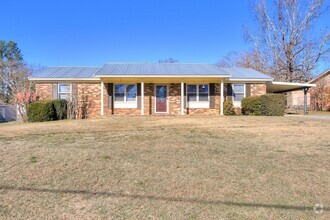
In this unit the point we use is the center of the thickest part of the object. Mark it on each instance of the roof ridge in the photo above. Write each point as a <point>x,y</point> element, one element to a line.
<point>319,76</point>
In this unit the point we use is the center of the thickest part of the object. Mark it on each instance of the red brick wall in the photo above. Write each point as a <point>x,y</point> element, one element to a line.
<point>149,99</point>
<point>89,97</point>
<point>258,89</point>
<point>44,91</point>
<point>175,99</point>
<point>174,102</point>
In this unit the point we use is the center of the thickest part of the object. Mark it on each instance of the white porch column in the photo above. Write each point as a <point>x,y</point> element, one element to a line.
<point>182,97</point>
<point>102,98</point>
<point>221,98</point>
<point>142,98</point>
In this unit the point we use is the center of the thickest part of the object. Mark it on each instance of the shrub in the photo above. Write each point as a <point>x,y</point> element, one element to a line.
<point>272,104</point>
<point>251,105</point>
<point>41,111</point>
<point>61,109</point>
<point>228,108</point>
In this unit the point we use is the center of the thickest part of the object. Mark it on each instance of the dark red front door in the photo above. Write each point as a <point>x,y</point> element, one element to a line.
<point>161,98</point>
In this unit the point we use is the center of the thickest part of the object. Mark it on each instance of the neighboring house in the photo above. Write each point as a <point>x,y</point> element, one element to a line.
<point>7,113</point>
<point>318,98</point>
<point>154,88</point>
<point>320,95</point>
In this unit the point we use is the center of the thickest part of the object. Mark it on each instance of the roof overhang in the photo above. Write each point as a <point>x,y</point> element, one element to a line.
<point>278,87</point>
<point>63,79</point>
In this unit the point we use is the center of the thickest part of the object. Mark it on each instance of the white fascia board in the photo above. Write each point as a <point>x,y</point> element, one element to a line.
<point>162,76</point>
<point>293,84</point>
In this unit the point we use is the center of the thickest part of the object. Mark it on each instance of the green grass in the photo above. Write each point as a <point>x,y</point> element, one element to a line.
<point>166,167</point>
<point>33,159</point>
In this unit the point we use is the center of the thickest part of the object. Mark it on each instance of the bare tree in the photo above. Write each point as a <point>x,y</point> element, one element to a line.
<point>21,88</point>
<point>285,37</point>
<point>251,59</point>
<point>168,60</point>
<point>320,95</point>
<point>14,76</point>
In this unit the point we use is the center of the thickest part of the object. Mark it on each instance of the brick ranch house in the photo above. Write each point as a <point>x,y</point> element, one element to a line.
<point>154,88</point>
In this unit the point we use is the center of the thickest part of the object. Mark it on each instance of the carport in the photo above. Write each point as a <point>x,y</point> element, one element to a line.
<point>282,87</point>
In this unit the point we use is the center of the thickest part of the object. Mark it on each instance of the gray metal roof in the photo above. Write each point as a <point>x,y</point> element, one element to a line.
<point>147,69</point>
<point>66,72</point>
<point>245,73</point>
<point>169,69</point>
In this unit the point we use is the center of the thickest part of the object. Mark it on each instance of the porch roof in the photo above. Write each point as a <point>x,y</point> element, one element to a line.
<point>160,69</point>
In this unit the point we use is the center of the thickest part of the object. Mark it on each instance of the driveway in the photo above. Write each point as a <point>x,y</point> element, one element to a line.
<point>324,117</point>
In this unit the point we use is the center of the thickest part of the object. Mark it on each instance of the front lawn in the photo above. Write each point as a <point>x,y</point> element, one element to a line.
<point>166,167</point>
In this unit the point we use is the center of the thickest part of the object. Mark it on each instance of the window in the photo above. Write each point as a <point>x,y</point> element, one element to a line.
<point>238,92</point>
<point>125,92</point>
<point>203,93</point>
<point>192,93</point>
<point>119,93</point>
<point>130,93</point>
<point>64,91</point>
<point>198,93</point>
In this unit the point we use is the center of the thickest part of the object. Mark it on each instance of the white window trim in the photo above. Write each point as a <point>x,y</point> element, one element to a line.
<point>238,103</point>
<point>125,103</point>
<point>197,103</point>
<point>58,90</point>
<point>167,98</point>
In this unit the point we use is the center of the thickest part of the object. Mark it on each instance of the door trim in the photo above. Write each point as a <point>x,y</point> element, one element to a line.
<point>167,99</point>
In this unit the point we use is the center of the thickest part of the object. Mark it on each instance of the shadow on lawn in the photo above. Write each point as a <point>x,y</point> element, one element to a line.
<point>161,198</point>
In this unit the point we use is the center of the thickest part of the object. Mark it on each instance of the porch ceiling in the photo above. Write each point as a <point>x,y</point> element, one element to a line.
<point>278,87</point>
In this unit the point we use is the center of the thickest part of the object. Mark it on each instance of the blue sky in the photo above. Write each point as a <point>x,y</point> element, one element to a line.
<point>86,32</point>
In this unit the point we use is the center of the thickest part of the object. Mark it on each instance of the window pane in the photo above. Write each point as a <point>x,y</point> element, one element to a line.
<point>239,88</point>
<point>203,97</point>
<point>203,89</point>
<point>131,97</point>
<point>131,88</point>
<point>64,96</point>
<point>119,88</point>
<point>192,97</point>
<point>64,88</point>
<point>119,97</point>
<point>191,88</point>
<point>238,97</point>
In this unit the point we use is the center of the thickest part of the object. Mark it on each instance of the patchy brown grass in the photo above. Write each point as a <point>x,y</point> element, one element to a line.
<point>166,167</point>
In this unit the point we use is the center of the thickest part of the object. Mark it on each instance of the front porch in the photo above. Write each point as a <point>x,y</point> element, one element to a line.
<point>162,97</point>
